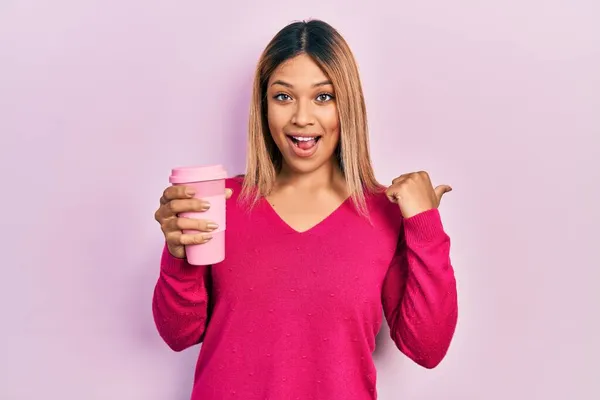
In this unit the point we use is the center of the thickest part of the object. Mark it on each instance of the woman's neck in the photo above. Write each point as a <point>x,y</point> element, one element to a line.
<point>327,177</point>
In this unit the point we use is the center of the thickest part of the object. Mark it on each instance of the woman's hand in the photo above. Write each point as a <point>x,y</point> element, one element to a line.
<point>415,194</point>
<point>180,199</point>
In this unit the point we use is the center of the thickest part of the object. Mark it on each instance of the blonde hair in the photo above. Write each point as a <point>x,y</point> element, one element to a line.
<point>330,51</point>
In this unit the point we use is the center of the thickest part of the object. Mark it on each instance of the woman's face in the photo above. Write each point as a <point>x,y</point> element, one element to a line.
<point>302,114</point>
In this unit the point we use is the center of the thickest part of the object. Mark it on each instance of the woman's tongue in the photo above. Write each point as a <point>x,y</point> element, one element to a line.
<point>306,144</point>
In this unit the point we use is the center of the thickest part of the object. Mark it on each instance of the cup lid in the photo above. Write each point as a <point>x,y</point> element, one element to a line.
<point>197,173</point>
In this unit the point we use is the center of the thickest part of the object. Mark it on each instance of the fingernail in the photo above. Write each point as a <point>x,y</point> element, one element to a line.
<point>205,206</point>
<point>212,226</point>
<point>190,191</point>
<point>207,237</point>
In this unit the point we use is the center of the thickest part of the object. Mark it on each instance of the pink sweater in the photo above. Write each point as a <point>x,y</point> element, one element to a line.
<point>292,315</point>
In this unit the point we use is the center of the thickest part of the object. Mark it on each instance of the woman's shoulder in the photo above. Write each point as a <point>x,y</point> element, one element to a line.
<point>235,182</point>
<point>378,200</point>
<point>381,208</point>
<point>242,197</point>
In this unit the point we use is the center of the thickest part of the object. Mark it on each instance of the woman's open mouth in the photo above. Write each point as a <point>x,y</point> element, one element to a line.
<point>304,145</point>
<point>305,142</point>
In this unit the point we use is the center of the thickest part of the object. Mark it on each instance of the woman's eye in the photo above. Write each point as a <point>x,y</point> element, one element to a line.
<point>282,97</point>
<point>324,97</point>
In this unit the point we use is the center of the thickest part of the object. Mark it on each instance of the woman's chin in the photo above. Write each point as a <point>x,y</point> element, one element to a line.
<point>307,165</point>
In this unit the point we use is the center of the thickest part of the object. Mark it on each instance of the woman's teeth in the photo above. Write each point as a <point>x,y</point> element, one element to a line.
<point>303,139</point>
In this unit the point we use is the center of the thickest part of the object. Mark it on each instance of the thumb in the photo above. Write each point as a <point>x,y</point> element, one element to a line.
<point>441,189</point>
<point>228,193</point>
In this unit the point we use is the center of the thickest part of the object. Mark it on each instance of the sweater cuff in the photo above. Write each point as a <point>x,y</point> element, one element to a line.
<point>178,267</point>
<point>424,227</point>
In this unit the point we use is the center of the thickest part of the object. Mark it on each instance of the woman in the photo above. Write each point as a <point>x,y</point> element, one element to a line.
<point>315,245</point>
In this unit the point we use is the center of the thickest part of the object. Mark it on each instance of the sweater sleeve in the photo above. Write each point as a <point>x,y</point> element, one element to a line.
<point>419,291</point>
<point>180,304</point>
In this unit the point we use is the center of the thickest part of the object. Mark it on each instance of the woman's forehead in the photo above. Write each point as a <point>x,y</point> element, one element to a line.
<point>300,70</point>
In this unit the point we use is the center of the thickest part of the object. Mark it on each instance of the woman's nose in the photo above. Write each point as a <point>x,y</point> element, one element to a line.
<point>303,115</point>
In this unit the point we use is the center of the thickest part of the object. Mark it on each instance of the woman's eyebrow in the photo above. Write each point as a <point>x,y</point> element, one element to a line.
<point>289,85</point>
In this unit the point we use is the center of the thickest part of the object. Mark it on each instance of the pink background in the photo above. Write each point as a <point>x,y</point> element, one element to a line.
<point>99,99</point>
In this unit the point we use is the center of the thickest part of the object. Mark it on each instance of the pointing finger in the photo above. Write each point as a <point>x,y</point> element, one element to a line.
<point>441,189</point>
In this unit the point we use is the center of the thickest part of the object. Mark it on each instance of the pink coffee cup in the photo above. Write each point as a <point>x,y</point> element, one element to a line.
<point>209,183</point>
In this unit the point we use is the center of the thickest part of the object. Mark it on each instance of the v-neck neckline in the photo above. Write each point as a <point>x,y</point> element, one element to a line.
<point>319,225</point>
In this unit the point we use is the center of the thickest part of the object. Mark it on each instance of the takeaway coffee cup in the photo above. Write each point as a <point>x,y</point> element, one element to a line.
<point>209,183</point>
